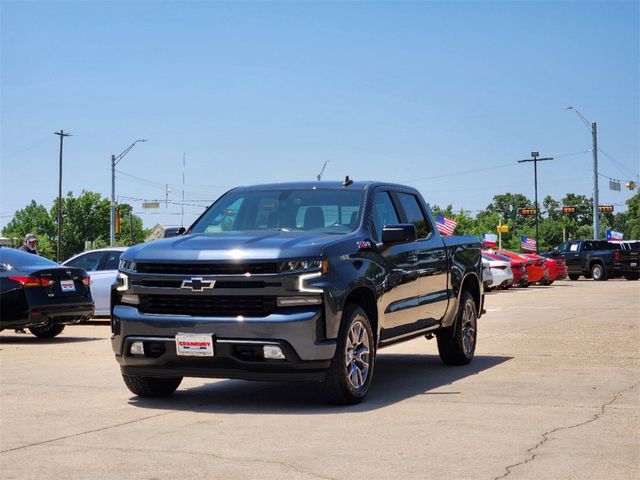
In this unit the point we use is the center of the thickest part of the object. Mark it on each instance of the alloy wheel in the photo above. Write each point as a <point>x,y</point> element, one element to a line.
<point>357,351</point>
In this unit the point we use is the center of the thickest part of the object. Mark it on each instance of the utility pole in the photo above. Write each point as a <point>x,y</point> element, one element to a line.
<point>596,201</point>
<point>61,134</point>
<point>594,150</point>
<point>115,159</point>
<point>535,160</point>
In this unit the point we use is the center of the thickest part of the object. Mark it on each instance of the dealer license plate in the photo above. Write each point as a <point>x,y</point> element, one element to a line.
<point>194,345</point>
<point>67,286</point>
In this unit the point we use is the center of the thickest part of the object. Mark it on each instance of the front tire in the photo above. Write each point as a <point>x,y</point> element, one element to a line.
<point>457,343</point>
<point>351,370</point>
<point>151,386</point>
<point>632,276</point>
<point>598,272</point>
<point>573,276</point>
<point>49,330</point>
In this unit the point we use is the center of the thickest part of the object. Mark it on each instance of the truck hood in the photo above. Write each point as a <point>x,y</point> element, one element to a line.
<point>272,245</point>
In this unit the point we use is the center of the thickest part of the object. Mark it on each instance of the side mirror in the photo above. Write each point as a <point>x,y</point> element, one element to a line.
<point>405,232</point>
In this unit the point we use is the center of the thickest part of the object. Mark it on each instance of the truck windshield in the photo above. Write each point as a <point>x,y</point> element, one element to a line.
<point>331,211</point>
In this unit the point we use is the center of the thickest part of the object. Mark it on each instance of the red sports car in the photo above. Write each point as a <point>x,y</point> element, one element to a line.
<point>518,268</point>
<point>556,268</point>
<point>536,267</point>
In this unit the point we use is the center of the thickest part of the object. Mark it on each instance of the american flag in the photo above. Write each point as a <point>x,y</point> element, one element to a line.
<point>445,225</point>
<point>528,243</point>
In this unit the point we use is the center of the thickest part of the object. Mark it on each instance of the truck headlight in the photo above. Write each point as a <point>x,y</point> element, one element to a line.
<point>127,266</point>
<point>304,266</point>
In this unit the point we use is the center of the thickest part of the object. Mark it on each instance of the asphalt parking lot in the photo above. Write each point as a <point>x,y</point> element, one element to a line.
<point>553,393</point>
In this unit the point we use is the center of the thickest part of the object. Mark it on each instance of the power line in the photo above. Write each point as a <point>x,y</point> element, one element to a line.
<point>621,166</point>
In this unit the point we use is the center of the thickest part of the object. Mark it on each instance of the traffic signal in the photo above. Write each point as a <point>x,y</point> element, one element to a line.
<point>566,210</point>
<point>118,225</point>
<point>605,208</point>
<point>528,211</point>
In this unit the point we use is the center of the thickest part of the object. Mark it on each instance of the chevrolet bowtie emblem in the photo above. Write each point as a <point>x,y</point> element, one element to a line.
<point>198,284</point>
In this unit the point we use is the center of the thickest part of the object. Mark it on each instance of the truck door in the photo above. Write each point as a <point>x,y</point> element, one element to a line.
<point>399,300</point>
<point>570,251</point>
<point>432,261</point>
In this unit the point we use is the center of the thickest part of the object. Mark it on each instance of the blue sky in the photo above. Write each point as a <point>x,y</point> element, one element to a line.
<point>268,91</point>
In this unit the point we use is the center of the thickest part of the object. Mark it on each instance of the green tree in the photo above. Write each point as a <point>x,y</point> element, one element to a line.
<point>35,219</point>
<point>85,218</point>
<point>632,230</point>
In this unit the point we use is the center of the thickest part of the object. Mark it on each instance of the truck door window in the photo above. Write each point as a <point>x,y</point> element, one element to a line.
<point>414,214</point>
<point>384,213</point>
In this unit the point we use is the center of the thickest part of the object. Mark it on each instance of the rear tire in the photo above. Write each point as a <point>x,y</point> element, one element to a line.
<point>598,273</point>
<point>49,330</point>
<point>573,276</point>
<point>457,343</point>
<point>632,276</point>
<point>151,386</point>
<point>351,370</point>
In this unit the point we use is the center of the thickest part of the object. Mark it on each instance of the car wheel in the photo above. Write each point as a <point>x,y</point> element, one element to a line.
<point>632,276</point>
<point>151,386</point>
<point>573,276</point>
<point>49,330</point>
<point>351,370</point>
<point>457,343</point>
<point>598,272</point>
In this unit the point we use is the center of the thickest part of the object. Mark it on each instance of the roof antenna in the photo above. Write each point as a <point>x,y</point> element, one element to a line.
<point>347,181</point>
<point>319,176</point>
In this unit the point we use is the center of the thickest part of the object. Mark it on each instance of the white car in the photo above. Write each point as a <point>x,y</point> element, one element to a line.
<point>500,271</point>
<point>487,275</point>
<point>102,266</point>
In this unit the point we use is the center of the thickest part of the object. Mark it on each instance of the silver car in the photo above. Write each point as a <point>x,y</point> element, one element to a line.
<point>102,266</point>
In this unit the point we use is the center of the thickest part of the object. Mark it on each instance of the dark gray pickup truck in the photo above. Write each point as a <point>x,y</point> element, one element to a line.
<point>597,259</point>
<point>296,281</point>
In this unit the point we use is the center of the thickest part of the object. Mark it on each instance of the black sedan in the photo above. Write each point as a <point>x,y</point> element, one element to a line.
<point>41,295</point>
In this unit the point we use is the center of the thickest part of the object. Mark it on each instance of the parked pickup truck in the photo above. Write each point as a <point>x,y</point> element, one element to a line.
<point>598,259</point>
<point>297,281</point>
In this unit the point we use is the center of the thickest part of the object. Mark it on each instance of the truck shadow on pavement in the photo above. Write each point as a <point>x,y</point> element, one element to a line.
<point>397,377</point>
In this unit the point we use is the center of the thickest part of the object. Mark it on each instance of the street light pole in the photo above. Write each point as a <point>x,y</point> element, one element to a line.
<point>61,134</point>
<point>535,160</point>
<point>594,150</point>
<point>115,159</point>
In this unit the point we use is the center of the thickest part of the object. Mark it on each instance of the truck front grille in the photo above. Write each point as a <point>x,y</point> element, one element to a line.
<point>207,268</point>
<point>208,305</point>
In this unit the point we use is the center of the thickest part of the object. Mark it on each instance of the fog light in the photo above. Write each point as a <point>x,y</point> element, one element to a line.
<point>137,348</point>
<point>130,299</point>
<point>298,301</point>
<point>273,352</point>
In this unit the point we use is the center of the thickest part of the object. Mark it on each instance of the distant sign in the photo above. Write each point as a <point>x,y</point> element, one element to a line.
<point>614,185</point>
<point>150,204</point>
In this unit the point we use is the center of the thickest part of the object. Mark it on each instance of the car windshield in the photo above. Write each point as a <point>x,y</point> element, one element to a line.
<point>333,211</point>
<point>16,258</point>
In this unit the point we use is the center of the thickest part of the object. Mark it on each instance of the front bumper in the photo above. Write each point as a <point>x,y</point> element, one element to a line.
<point>237,345</point>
